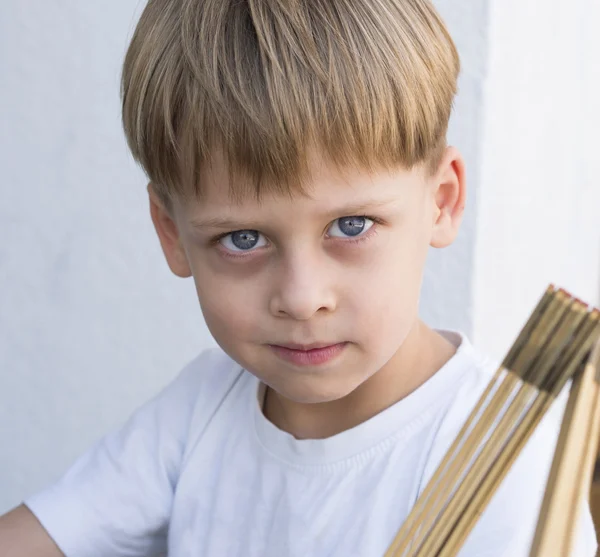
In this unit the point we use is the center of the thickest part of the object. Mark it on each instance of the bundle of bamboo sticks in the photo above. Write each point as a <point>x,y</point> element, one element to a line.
<point>560,342</point>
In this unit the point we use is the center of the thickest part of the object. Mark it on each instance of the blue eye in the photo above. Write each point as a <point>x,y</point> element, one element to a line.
<point>350,227</point>
<point>243,240</point>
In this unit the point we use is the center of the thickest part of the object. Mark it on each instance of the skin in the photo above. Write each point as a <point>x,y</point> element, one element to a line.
<point>307,281</point>
<point>22,535</point>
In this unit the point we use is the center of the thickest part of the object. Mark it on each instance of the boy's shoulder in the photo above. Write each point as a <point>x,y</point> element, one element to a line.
<point>462,380</point>
<point>187,403</point>
<point>140,461</point>
<point>202,385</point>
<point>478,370</point>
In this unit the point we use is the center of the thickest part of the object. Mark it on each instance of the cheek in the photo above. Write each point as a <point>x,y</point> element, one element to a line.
<point>229,306</point>
<point>385,292</point>
<point>395,269</point>
<point>388,303</point>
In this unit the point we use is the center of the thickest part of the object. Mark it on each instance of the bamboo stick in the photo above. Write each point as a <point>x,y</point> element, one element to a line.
<point>555,340</point>
<point>501,467</point>
<point>551,304</point>
<point>540,368</point>
<point>572,466</point>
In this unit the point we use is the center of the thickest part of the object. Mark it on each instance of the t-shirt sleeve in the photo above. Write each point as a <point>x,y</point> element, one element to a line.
<point>116,499</point>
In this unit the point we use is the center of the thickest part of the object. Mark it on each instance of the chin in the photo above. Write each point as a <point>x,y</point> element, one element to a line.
<point>316,393</point>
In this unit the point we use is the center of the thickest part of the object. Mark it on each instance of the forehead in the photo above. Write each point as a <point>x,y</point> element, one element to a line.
<point>327,187</point>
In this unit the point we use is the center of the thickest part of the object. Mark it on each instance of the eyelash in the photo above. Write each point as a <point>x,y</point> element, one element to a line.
<point>363,237</point>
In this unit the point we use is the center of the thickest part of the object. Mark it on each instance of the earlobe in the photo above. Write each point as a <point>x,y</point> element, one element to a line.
<point>169,237</point>
<point>450,198</point>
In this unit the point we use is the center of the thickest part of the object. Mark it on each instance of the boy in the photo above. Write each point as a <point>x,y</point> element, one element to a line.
<point>299,173</point>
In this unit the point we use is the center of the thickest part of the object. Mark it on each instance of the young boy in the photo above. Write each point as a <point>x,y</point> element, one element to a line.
<point>299,173</point>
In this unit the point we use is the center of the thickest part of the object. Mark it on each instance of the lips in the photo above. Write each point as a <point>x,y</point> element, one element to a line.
<point>307,347</point>
<point>313,354</point>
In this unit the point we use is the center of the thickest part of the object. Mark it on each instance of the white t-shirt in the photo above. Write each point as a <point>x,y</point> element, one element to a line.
<point>200,472</point>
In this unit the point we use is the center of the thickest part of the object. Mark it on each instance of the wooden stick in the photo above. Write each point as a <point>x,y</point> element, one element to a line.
<point>474,508</point>
<point>538,372</point>
<point>546,354</point>
<point>452,466</point>
<point>588,460</point>
<point>411,523</point>
<point>446,523</point>
<point>572,466</point>
<point>450,490</point>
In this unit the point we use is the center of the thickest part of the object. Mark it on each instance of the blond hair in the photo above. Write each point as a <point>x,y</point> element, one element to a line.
<point>370,82</point>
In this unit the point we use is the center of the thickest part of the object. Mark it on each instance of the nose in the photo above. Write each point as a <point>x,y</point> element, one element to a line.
<point>303,288</point>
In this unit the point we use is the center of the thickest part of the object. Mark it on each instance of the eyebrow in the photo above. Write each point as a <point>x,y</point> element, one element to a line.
<point>222,222</point>
<point>244,224</point>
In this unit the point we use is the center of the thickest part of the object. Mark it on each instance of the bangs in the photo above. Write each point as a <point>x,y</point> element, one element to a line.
<point>367,84</point>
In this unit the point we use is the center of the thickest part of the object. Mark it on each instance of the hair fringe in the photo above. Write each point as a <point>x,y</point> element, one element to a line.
<point>368,83</point>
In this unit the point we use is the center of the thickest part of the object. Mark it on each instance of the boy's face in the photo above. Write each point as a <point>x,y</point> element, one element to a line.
<point>340,268</point>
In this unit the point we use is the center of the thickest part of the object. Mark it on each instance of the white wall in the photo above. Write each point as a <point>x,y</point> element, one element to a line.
<point>447,299</point>
<point>91,321</point>
<point>538,214</point>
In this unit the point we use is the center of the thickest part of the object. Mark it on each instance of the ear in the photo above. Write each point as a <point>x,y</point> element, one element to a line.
<point>168,234</point>
<point>450,193</point>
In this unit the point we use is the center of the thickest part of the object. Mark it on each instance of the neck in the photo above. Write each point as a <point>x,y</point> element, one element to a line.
<point>421,355</point>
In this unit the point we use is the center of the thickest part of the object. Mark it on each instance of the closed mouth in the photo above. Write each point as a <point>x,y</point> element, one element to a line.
<point>307,347</point>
